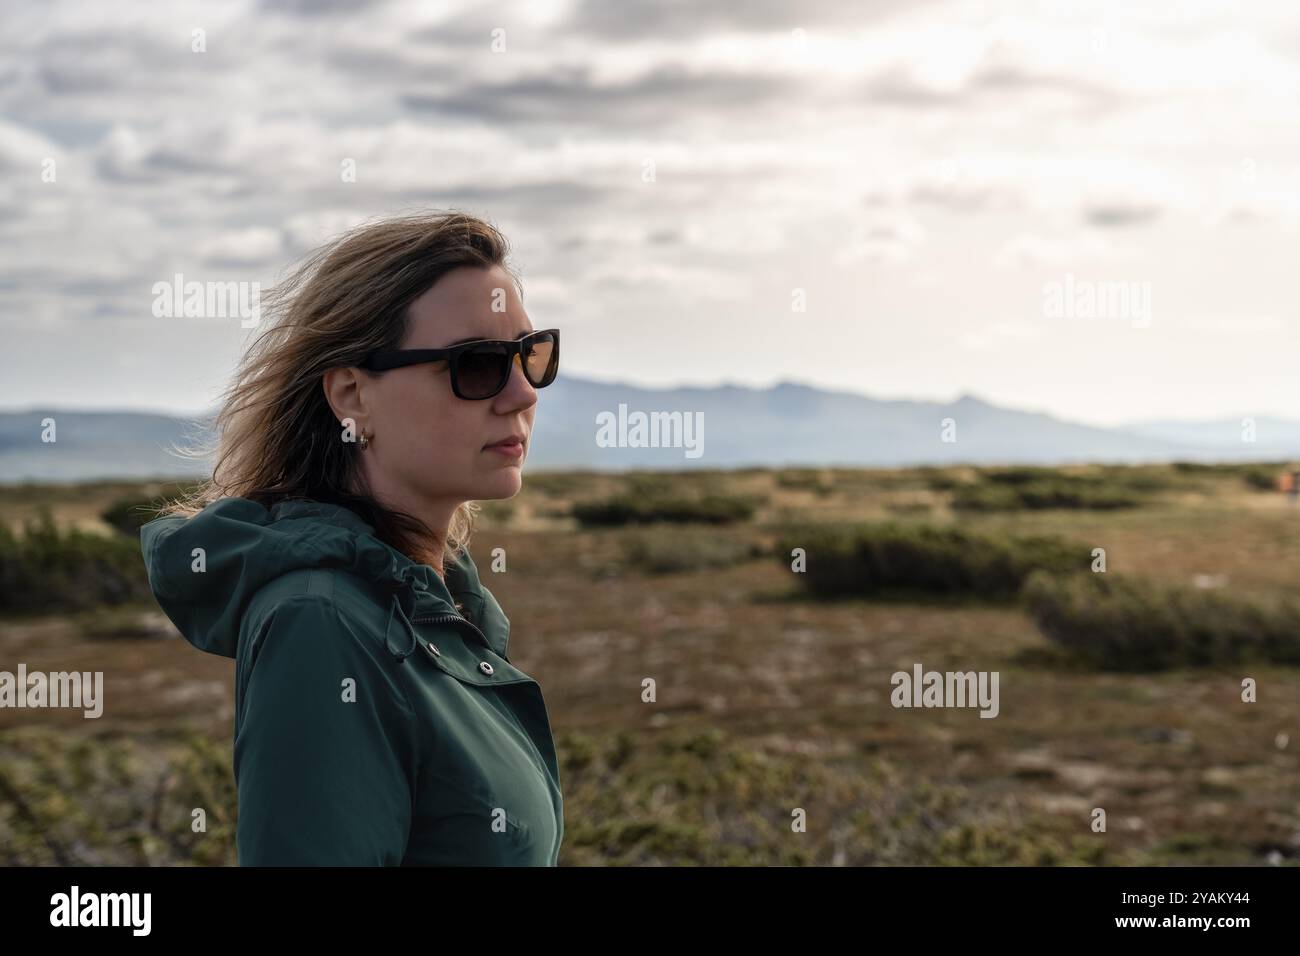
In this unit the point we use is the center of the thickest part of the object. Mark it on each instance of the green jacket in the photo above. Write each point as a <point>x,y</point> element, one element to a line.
<point>374,725</point>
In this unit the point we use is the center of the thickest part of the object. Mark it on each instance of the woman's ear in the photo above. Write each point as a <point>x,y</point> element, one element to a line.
<point>345,390</point>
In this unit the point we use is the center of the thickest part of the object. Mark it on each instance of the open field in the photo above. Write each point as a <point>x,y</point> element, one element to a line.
<point>767,698</point>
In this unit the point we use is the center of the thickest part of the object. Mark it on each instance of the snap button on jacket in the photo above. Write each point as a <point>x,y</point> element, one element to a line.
<point>350,749</point>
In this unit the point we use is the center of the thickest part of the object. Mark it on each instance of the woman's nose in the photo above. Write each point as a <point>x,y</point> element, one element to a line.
<point>528,386</point>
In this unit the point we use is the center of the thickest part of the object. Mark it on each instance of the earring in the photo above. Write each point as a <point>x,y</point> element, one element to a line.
<point>364,441</point>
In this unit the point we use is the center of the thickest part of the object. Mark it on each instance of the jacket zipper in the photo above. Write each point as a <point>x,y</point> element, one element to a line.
<point>458,619</point>
<point>453,618</point>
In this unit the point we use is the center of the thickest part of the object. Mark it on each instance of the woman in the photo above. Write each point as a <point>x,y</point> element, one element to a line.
<point>378,719</point>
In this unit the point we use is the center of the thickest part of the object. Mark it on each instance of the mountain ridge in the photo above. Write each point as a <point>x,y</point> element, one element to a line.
<point>788,424</point>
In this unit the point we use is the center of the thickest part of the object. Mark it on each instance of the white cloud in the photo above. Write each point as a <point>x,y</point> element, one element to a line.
<point>251,246</point>
<point>883,241</point>
<point>918,148</point>
<point>1034,251</point>
<point>996,335</point>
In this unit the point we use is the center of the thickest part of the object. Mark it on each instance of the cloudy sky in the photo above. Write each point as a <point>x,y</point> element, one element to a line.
<point>917,175</point>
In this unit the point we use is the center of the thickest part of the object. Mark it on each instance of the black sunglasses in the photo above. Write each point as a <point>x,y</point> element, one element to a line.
<point>481,369</point>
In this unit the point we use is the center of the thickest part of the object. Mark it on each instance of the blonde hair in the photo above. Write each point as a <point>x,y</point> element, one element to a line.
<point>275,436</point>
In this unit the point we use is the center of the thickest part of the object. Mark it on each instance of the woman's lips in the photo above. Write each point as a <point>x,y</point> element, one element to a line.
<point>514,449</point>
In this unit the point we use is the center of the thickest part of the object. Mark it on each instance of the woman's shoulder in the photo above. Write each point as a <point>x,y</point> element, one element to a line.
<point>304,641</point>
<point>352,591</point>
<point>337,603</point>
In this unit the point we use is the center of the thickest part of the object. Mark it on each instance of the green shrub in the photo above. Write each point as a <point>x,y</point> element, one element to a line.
<point>1261,477</point>
<point>51,569</point>
<point>909,508</point>
<point>1020,475</point>
<point>128,514</point>
<point>1122,624</point>
<point>1143,478</point>
<point>628,509</point>
<point>651,484</point>
<point>558,484</point>
<point>804,479</point>
<point>862,560</point>
<point>1033,488</point>
<point>499,513</point>
<point>1059,491</point>
<point>937,478</point>
<point>115,800</point>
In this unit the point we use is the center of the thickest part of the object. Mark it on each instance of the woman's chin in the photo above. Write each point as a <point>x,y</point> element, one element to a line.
<point>505,484</point>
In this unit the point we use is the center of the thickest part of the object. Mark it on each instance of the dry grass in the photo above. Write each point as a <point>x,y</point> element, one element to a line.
<point>767,701</point>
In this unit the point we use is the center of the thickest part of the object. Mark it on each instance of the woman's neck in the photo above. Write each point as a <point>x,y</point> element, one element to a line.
<point>433,558</point>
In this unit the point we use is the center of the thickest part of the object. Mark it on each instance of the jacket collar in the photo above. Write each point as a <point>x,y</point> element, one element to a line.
<point>246,546</point>
<point>418,590</point>
<point>424,592</point>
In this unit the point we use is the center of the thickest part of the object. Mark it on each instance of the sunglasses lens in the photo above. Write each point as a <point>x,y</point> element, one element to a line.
<point>481,371</point>
<point>543,360</point>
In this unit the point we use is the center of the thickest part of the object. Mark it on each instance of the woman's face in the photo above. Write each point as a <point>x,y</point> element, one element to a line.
<point>429,449</point>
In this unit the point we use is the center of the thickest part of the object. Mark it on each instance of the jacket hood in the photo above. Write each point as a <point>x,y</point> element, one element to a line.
<point>247,546</point>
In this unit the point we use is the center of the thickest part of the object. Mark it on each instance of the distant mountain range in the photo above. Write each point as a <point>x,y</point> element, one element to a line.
<point>587,424</point>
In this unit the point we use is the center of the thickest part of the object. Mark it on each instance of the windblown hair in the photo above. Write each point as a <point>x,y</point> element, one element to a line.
<point>275,437</point>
